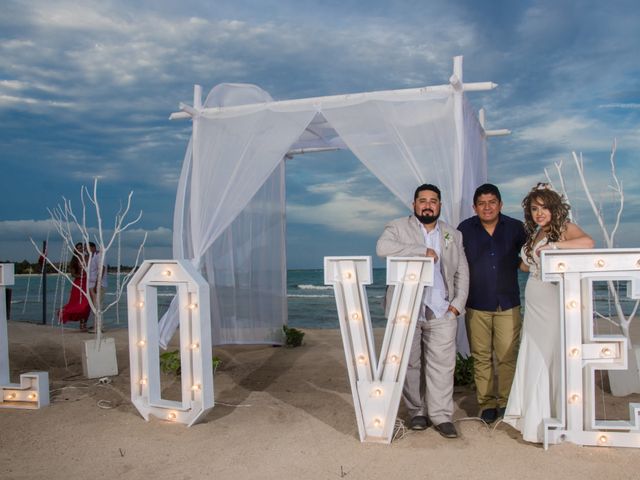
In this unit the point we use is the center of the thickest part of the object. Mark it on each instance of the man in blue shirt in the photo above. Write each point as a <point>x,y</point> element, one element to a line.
<point>492,243</point>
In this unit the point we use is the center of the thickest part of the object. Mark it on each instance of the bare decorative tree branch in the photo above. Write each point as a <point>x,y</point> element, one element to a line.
<point>563,188</point>
<point>623,321</point>
<point>66,223</point>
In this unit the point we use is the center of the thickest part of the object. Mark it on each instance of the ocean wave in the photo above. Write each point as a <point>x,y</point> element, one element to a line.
<point>308,296</point>
<point>305,286</point>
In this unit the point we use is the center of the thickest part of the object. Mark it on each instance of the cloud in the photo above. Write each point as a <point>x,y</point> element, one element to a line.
<point>624,106</point>
<point>570,132</point>
<point>25,229</point>
<point>86,89</point>
<point>16,235</point>
<point>8,100</point>
<point>345,212</point>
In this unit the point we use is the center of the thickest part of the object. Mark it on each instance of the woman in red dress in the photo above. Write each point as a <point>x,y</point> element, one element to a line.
<point>77,308</point>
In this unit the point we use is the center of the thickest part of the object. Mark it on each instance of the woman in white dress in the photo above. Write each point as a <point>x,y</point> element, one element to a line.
<point>535,392</point>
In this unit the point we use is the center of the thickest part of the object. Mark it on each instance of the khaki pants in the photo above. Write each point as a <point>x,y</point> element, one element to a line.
<point>491,332</point>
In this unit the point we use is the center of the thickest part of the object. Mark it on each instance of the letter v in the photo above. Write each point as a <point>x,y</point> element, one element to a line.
<point>376,386</point>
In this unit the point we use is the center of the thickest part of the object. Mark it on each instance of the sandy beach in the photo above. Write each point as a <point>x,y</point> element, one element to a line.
<point>280,413</point>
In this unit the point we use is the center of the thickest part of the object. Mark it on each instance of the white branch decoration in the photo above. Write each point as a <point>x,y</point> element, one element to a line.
<point>66,223</point>
<point>563,188</point>
<point>624,321</point>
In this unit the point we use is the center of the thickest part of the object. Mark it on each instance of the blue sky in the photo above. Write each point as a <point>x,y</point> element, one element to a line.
<point>86,89</point>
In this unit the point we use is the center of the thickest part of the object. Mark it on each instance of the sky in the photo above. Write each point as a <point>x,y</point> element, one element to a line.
<point>87,87</point>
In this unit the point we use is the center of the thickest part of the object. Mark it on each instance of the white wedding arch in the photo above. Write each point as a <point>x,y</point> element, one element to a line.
<point>229,219</point>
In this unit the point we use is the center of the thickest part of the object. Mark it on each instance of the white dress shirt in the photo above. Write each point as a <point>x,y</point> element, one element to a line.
<point>434,298</point>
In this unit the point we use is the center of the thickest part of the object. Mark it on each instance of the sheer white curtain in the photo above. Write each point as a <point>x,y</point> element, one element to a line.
<point>475,159</point>
<point>246,270</point>
<point>229,215</point>
<point>233,155</point>
<point>404,143</point>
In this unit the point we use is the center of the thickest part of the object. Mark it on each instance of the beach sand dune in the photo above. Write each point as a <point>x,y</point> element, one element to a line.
<point>280,413</point>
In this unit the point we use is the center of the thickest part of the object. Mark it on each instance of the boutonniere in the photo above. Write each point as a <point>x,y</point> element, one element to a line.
<point>447,239</point>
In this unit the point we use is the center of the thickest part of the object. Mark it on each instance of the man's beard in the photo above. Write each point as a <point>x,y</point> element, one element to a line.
<point>427,219</point>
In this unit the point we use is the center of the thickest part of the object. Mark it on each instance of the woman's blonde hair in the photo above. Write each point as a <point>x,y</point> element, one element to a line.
<point>555,203</point>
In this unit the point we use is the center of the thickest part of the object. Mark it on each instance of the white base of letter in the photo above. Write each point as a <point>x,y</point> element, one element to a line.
<point>99,362</point>
<point>31,393</point>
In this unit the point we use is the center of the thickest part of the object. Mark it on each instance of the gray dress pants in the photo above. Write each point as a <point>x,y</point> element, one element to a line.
<point>428,387</point>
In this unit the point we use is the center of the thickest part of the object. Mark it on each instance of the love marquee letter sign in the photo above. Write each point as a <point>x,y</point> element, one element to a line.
<point>192,297</point>
<point>33,390</point>
<point>583,351</point>
<point>376,386</point>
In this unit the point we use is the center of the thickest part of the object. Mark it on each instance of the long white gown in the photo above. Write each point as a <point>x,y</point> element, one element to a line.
<point>535,392</point>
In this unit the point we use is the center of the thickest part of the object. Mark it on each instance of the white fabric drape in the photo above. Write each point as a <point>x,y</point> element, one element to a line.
<point>232,158</point>
<point>403,143</point>
<point>229,216</point>
<point>475,159</point>
<point>246,268</point>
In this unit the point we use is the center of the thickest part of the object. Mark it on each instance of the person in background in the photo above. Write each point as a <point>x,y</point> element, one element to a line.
<point>492,243</point>
<point>77,309</point>
<point>97,279</point>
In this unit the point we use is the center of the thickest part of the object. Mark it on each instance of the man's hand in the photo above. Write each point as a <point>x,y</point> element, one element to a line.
<point>453,310</point>
<point>432,253</point>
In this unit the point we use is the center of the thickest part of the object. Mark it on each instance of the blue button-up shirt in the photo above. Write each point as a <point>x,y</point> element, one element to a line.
<point>493,262</point>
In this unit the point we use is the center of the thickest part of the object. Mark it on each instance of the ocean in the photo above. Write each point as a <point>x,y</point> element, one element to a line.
<point>311,304</point>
